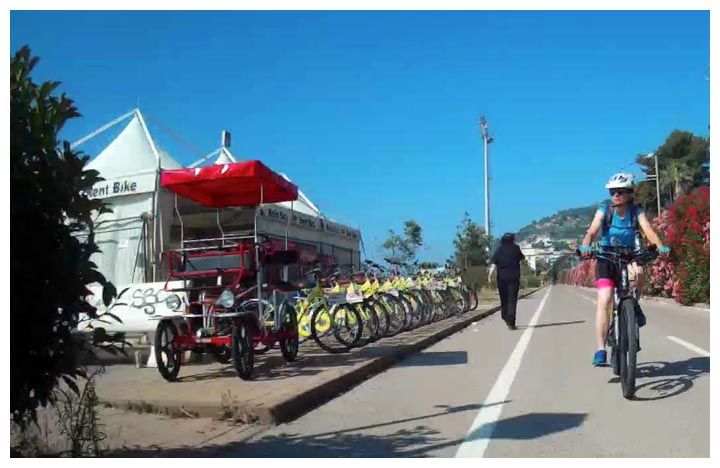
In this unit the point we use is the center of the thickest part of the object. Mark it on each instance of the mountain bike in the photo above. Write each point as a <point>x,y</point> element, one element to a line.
<point>623,336</point>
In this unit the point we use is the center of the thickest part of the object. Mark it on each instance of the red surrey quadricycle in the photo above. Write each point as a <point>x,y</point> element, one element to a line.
<point>220,275</point>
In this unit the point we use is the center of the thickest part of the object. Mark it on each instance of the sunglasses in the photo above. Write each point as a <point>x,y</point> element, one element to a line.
<point>619,191</point>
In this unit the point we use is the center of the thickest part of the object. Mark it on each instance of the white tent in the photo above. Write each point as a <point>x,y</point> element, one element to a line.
<point>130,165</point>
<point>134,237</point>
<point>144,225</point>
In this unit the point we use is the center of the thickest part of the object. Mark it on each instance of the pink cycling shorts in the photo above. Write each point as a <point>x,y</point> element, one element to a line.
<point>604,283</point>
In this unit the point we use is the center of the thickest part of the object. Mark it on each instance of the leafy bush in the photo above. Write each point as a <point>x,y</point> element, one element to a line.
<point>660,277</point>
<point>52,237</point>
<point>688,236</point>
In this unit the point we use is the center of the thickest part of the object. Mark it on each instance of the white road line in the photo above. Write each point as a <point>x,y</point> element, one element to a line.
<point>594,301</point>
<point>689,346</point>
<point>651,300</point>
<point>482,428</point>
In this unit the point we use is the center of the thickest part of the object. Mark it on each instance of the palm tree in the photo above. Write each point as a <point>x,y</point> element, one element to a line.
<point>676,176</point>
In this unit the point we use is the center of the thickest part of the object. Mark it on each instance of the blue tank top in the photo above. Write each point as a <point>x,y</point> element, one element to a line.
<point>620,228</point>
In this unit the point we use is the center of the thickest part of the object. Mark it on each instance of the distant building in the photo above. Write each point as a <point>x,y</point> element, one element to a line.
<point>530,255</point>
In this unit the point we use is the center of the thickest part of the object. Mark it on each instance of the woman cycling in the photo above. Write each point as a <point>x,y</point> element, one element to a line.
<point>619,220</point>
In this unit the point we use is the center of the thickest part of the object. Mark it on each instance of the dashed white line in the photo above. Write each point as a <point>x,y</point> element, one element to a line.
<point>482,428</point>
<point>689,346</point>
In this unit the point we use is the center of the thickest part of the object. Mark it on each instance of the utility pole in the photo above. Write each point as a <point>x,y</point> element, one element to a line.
<point>486,141</point>
<point>657,180</point>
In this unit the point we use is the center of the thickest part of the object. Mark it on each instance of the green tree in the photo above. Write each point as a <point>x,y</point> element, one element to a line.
<point>684,164</point>
<point>404,248</point>
<point>52,235</point>
<point>428,265</point>
<point>678,176</point>
<point>392,244</point>
<point>471,244</point>
<point>412,240</point>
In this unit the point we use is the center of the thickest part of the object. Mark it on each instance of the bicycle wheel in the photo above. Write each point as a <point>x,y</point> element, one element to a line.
<point>396,311</point>
<point>414,314</point>
<point>429,305</point>
<point>242,350</point>
<point>252,306</point>
<point>383,317</point>
<point>423,310</point>
<point>167,355</point>
<point>438,304</point>
<point>410,315</point>
<point>449,303</point>
<point>342,324</point>
<point>612,343</point>
<point>303,318</point>
<point>628,348</point>
<point>290,345</point>
<point>370,323</point>
<point>459,300</point>
<point>348,325</point>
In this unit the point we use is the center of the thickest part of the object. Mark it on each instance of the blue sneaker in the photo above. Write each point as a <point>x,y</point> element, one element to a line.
<point>600,358</point>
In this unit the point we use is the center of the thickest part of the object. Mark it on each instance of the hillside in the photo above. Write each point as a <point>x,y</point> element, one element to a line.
<point>568,224</point>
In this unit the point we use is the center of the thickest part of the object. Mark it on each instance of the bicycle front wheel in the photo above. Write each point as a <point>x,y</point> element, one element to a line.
<point>628,348</point>
<point>336,329</point>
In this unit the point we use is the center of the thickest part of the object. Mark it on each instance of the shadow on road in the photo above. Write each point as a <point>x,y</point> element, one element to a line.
<point>669,379</point>
<point>437,358</point>
<point>419,441</point>
<point>556,324</point>
<point>529,426</point>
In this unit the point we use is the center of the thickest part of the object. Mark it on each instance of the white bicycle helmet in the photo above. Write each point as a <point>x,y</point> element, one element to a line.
<point>621,180</point>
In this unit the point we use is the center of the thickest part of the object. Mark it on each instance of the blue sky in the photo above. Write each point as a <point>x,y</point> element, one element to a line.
<point>374,114</point>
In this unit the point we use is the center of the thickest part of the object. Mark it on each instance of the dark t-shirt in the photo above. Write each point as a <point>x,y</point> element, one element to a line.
<point>508,258</point>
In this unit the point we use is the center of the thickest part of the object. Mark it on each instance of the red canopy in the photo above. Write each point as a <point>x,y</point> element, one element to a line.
<point>236,184</point>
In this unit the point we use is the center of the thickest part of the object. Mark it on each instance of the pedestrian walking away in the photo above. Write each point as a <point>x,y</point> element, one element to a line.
<point>506,261</point>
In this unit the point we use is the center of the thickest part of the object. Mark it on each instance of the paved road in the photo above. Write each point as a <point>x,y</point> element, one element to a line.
<point>491,392</point>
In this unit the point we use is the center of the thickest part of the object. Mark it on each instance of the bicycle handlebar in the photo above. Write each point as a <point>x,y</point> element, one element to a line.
<point>615,254</point>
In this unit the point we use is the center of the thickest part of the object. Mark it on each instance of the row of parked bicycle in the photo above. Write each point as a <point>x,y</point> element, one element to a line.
<point>340,313</point>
